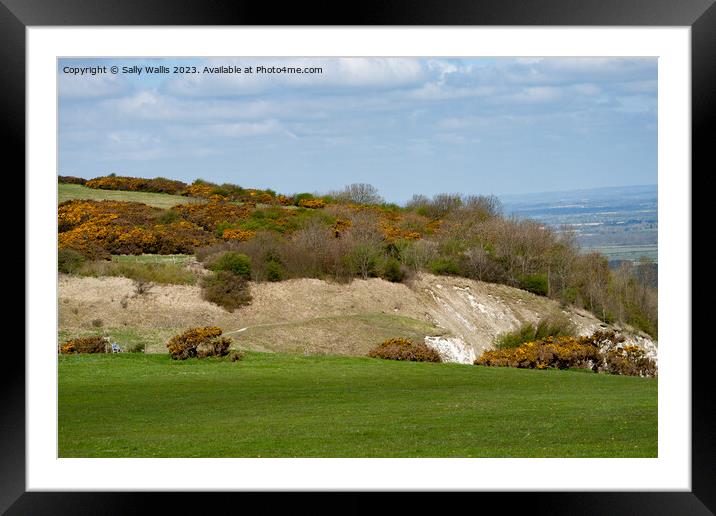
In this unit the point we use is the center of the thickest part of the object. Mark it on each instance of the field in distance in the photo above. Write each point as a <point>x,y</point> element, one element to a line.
<point>67,192</point>
<point>278,405</point>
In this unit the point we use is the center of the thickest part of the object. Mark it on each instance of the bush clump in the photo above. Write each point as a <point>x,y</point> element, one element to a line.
<point>600,352</point>
<point>94,344</point>
<point>405,349</point>
<point>199,342</point>
<point>535,283</point>
<point>226,290</point>
<point>69,261</point>
<point>230,261</point>
<point>548,327</point>
<point>137,184</point>
<point>629,361</point>
<point>71,180</point>
<point>393,271</point>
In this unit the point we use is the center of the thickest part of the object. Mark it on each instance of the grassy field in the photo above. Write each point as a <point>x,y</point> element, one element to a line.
<point>278,405</point>
<point>66,192</point>
<point>627,252</point>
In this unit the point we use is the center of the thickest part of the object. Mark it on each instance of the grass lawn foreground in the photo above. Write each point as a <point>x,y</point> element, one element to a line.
<point>280,405</point>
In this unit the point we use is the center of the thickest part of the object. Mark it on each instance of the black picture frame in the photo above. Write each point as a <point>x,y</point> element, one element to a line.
<point>700,15</point>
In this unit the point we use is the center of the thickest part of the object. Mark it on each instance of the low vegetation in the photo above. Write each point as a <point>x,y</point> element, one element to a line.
<point>600,352</point>
<point>146,272</point>
<point>226,289</point>
<point>405,349</point>
<point>547,327</point>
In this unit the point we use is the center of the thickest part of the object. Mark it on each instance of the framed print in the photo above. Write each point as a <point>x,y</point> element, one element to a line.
<point>435,250</point>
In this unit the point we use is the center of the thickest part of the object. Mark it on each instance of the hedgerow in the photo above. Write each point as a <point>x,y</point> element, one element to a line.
<point>600,352</point>
<point>137,184</point>
<point>71,180</point>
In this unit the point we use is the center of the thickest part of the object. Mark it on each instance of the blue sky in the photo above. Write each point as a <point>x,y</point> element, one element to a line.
<point>405,125</point>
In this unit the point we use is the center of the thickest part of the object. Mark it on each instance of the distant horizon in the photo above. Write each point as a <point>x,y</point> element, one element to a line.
<point>325,192</point>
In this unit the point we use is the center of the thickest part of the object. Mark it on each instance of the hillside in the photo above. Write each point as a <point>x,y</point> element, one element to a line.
<point>354,235</point>
<point>309,315</point>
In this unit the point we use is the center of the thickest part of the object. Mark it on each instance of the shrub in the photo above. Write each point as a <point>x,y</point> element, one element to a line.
<point>95,344</point>
<point>137,184</point>
<point>405,349</point>
<point>210,215</point>
<point>199,342</point>
<point>600,352</point>
<point>444,266</point>
<point>233,262</point>
<point>556,326</point>
<point>142,286</point>
<point>513,339</point>
<point>98,229</point>
<point>71,180</point>
<point>240,235</point>
<point>226,290</point>
<point>535,283</point>
<point>560,353</point>
<point>630,361</point>
<point>274,271</point>
<point>236,355</point>
<point>393,271</point>
<point>69,260</point>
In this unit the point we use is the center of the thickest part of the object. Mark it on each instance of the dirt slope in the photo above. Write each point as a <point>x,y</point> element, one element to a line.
<point>309,315</point>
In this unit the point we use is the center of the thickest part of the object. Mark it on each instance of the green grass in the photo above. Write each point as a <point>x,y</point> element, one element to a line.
<point>277,405</point>
<point>66,192</point>
<point>162,272</point>
<point>152,258</point>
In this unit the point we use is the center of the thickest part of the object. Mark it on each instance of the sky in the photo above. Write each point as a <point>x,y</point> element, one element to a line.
<point>405,125</point>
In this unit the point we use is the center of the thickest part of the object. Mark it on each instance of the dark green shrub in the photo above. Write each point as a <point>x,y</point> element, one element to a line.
<point>535,283</point>
<point>274,271</point>
<point>405,349</point>
<point>513,339</point>
<point>71,180</point>
<point>444,266</point>
<point>393,271</point>
<point>226,290</point>
<point>69,260</point>
<point>236,263</point>
<point>556,326</point>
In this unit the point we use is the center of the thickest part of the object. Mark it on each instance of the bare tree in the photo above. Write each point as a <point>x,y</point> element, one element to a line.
<point>360,193</point>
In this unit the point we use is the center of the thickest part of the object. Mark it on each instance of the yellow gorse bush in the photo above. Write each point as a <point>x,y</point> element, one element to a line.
<point>100,228</point>
<point>602,351</point>
<point>201,342</point>
<point>239,235</point>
